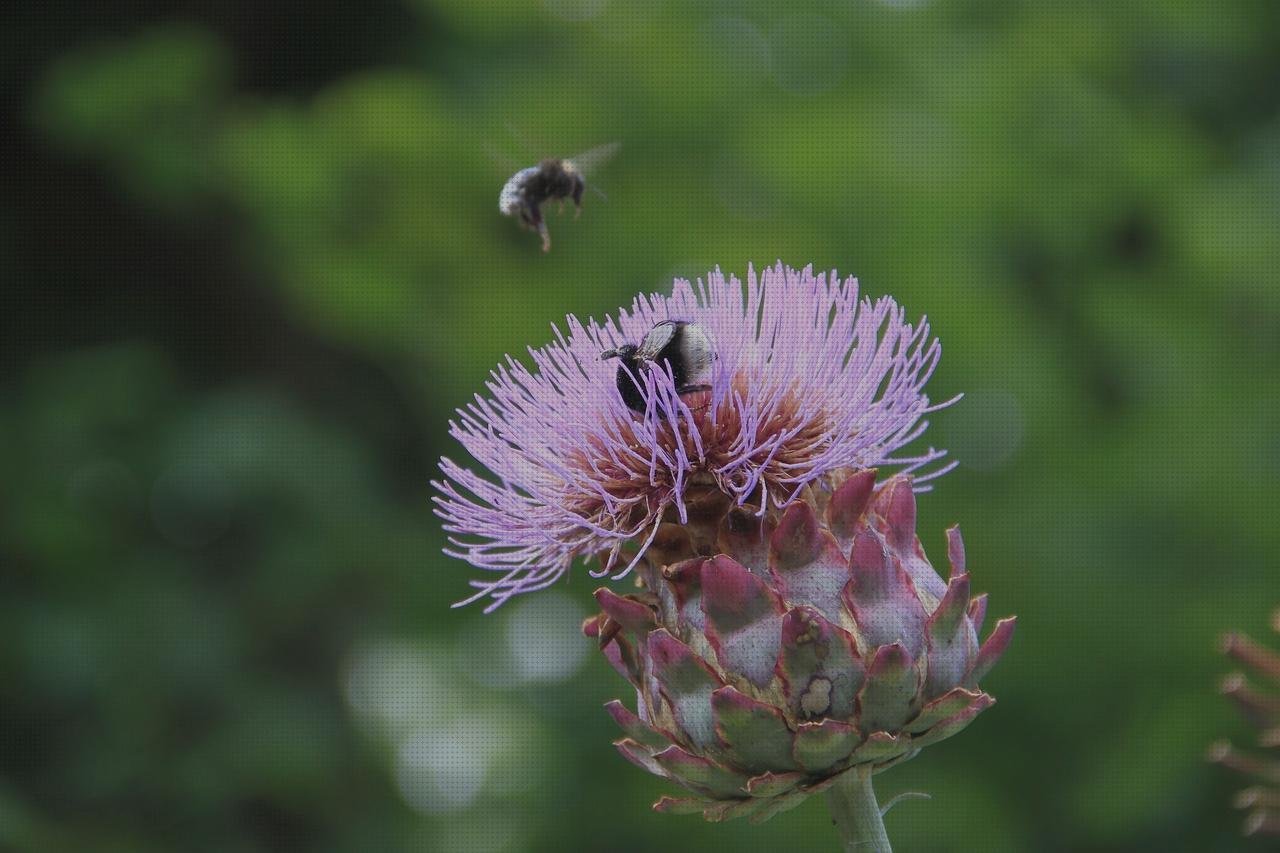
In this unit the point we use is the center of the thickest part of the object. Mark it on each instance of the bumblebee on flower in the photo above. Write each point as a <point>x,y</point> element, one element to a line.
<point>788,634</point>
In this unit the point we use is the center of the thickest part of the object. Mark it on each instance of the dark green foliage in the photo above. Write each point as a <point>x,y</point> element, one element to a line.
<point>255,261</point>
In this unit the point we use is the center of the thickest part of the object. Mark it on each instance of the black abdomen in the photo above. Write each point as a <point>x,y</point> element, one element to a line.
<point>628,387</point>
<point>673,354</point>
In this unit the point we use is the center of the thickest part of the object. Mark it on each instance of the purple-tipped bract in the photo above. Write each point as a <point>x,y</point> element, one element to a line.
<point>761,676</point>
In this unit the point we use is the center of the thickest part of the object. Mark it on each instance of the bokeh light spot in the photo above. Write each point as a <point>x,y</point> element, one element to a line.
<point>544,637</point>
<point>441,770</point>
<point>394,688</point>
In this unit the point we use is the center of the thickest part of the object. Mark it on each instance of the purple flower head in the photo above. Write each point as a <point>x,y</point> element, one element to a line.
<point>808,379</point>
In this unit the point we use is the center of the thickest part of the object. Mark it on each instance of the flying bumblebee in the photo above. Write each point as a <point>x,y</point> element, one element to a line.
<point>682,345</point>
<point>554,179</point>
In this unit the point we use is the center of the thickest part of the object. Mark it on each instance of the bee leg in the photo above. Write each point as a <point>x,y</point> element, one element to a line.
<point>532,216</point>
<point>692,389</point>
<point>546,236</point>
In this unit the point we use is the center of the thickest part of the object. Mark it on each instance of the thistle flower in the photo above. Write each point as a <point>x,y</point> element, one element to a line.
<point>1262,709</point>
<point>809,379</point>
<point>788,635</point>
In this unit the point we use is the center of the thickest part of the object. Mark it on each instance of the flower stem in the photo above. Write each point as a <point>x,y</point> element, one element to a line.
<point>853,806</point>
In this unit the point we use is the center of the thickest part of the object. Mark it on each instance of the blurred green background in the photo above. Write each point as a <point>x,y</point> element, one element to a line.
<point>253,262</point>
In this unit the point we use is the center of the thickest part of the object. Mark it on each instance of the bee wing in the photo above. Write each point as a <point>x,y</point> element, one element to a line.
<point>656,339</point>
<point>590,160</point>
<point>585,162</point>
